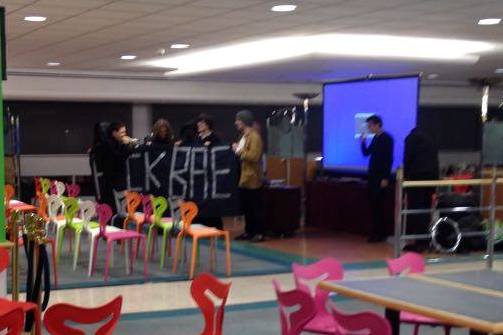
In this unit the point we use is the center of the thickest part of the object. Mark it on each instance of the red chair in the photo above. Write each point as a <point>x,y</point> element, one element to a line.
<point>368,323</point>
<point>294,323</point>
<point>412,262</point>
<point>57,315</point>
<point>213,317</point>
<point>325,269</point>
<point>12,321</point>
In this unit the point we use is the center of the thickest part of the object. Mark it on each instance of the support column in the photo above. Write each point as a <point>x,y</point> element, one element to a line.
<point>141,120</point>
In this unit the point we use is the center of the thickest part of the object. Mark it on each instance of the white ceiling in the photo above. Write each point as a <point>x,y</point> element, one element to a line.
<point>91,35</point>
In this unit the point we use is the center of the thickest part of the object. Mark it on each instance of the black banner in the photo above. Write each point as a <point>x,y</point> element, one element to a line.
<point>205,175</point>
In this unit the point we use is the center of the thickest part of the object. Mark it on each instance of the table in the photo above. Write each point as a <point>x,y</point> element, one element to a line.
<point>470,299</point>
<point>21,206</point>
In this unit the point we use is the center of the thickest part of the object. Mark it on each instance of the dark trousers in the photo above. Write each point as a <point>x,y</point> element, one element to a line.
<point>251,203</point>
<point>419,198</point>
<point>377,196</point>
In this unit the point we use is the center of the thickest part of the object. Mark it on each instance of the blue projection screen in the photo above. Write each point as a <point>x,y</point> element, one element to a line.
<point>346,105</point>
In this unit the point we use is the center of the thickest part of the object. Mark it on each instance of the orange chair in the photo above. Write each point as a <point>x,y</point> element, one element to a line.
<point>133,200</point>
<point>12,321</point>
<point>188,211</point>
<point>57,315</point>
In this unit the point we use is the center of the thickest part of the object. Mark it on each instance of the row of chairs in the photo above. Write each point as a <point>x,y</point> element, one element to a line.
<point>65,319</point>
<point>317,314</point>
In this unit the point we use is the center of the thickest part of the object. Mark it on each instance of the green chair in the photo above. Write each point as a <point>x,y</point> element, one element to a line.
<point>160,205</point>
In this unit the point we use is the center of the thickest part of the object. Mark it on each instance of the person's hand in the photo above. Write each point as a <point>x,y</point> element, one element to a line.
<point>126,139</point>
<point>234,147</point>
<point>177,143</point>
<point>363,137</point>
<point>384,183</point>
<point>207,143</point>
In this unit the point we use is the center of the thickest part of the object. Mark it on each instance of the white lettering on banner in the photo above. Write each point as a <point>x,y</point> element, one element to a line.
<point>176,174</point>
<point>128,171</point>
<point>218,172</point>
<point>97,175</point>
<point>149,176</point>
<point>196,172</point>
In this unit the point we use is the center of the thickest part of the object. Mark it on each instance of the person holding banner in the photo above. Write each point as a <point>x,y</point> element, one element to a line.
<point>162,134</point>
<point>249,150</point>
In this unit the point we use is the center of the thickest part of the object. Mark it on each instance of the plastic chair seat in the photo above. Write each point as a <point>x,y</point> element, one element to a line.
<point>121,235</point>
<point>323,324</point>
<point>26,307</point>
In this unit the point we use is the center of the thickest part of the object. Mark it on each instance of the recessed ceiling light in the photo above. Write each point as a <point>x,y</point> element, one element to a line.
<point>499,71</point>
<point>355,45</point>
<point>35,18</point>
<point>284,8</point>
<point>128,57</point>
<point>432,76</point>
<point>489,22</point>
<point>180,46</point>
<point>53,64</point>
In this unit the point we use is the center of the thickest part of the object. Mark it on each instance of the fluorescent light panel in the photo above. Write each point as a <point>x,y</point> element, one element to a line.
<point>277,49</point>
<point>128,57</point>
<point>35,18</point>
<point>180,46</point>
<point>53,64</point>
<point>489,22</point>
<point>284,8</point>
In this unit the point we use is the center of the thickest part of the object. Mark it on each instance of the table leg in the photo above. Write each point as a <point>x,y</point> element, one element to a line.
<point>394,320</point>
<point>473,332</point>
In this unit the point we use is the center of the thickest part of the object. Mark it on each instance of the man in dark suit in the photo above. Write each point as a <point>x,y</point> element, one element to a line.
<point>380,151</point>
<point>420,163</point>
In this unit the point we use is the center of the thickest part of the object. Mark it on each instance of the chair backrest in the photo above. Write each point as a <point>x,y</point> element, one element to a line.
<point>8,193</point>
<point>104,215</point>
<point>55,206</point>
<point>73,190</point>
<point>410,262</point>
<point>45,185</point>
<point>293,323</point>
<point>148,210</point>
<point>160,205</point>
<point>4,259</point>
<point>325,269</point>
<point>188,212</point>
<point>87,211</point>
<point>58,315</point>
<point>174,206</point>
<point>58,188</point>
<point>368,323</point>
<point>213,317</point>
<point>71,209</point>
<point>12,321</point>
<point>133,200</point>
<point>38,186</point>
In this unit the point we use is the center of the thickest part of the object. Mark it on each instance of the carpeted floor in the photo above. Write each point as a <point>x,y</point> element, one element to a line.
<point>247,260</point>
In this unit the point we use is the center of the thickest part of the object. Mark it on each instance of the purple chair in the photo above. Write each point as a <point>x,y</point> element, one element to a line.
<point>293,323</point>
<point>370,322</point>
<point>412,262</point>
<point>325,269</point>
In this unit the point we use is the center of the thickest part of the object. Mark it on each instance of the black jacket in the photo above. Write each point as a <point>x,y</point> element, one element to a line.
<point>420,157</point>
<point>210,140</point>
<point>380,151</point>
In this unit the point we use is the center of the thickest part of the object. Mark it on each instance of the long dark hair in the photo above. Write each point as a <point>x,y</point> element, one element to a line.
<point>156,131</point>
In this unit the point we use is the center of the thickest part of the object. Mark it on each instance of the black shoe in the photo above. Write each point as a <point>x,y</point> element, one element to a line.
<point>376,239</point>
<point>244,237</point>
<point>258,238</point>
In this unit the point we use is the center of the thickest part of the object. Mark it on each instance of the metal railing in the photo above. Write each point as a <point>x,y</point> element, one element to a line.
<point>401,212</point>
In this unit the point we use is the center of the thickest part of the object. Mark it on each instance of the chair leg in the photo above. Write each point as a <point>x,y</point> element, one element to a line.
<point>107,260</point>
<point>59,241</point>
<point>76,250</point>
<point>228,253</point>
<point>127,254</point>
<point>95,252</point>
<point>149,241</point>
<point>447,330</point>
<point>54,265</point>
<point>169,243</point>
<point>145,257</point>
<point>139,230</point>
<point>91,254</point>
<point>212,254</point>
<point>193,258</point>
<point>416,329</point>
<point>177,252</point>
<point>163,247</point>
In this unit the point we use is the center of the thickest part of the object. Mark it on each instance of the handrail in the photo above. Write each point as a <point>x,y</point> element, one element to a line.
<point>448,182</point>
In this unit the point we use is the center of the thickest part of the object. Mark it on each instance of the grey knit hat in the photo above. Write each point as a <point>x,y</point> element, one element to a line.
<point>246,117</point>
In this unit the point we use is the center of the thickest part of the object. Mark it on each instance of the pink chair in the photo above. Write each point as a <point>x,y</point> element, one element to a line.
<point>294,323</point>
<point>325,269</point>
<point>73,190</point>
<point>105,214</point>
<point>412,262</point>
<point>368,323</point>
<point>213,316</point>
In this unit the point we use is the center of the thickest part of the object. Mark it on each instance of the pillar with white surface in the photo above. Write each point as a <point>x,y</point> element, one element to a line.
<point>142,120</point>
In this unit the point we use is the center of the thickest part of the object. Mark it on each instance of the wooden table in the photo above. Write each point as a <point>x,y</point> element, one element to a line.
<point>17,205</point>
<point>471,299</point>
